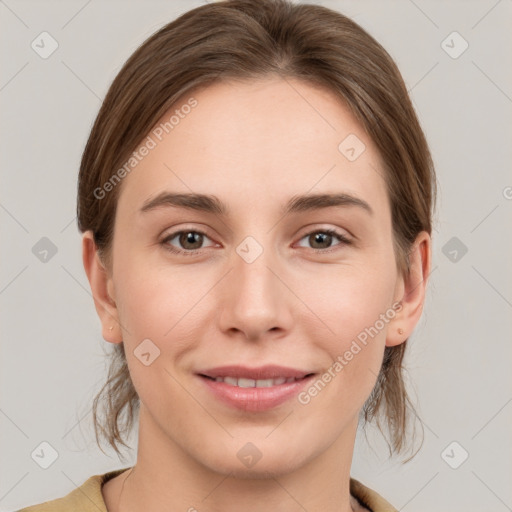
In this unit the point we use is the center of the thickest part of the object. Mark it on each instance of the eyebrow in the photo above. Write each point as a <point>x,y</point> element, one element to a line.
<point>212,204</point>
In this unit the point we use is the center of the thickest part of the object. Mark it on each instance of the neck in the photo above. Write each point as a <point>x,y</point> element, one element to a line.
<point>166,478</point>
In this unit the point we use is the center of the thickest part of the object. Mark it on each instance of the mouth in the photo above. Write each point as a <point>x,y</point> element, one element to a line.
<point>254,389</point>
<point>242,382</point>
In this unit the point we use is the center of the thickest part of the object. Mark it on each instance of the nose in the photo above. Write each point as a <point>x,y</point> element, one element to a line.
<point>255,298</point>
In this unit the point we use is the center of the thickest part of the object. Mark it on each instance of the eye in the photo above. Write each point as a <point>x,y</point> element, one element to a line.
<point>190,239</point>
<point>322,239</point>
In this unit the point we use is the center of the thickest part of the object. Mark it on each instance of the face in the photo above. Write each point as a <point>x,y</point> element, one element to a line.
<point>264,282</point>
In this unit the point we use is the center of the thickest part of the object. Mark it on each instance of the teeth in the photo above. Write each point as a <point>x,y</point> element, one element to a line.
<point>245,383</point>
<point>264,383</point>
<point>251,383</point>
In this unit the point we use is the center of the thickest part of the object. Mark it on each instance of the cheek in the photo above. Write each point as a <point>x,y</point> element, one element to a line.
<point>158,318</point>
<point>352,310</point>
<point>163,304</point>
<point>155,305</point>
<point>351,297</point>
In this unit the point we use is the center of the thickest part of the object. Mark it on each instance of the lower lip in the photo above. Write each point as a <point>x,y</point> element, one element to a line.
<point>255,399</point>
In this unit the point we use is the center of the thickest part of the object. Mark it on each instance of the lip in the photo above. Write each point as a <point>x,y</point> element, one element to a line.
<point>255,399</point>
<point>269,371</point>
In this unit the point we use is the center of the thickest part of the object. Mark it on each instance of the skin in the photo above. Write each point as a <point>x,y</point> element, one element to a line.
<point>254,145</point>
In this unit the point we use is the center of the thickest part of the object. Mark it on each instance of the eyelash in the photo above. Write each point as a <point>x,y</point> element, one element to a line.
<point>342,239</point>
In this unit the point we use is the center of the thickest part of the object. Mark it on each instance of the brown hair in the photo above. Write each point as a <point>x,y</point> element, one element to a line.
<point>244,39</point>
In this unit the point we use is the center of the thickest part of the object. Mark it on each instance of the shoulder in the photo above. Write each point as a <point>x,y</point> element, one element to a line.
<point>85,498</point>
<point>369,498</point>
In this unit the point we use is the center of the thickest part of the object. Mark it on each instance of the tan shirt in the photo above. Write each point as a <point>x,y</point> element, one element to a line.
<point>88,497</point>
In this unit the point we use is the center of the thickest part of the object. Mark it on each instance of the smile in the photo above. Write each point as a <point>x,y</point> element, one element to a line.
<point>254,389</point>
<point>251,383</point>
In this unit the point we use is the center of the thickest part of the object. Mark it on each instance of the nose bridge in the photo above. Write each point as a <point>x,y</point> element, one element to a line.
<point>255,283</point>
<point>255,297</point>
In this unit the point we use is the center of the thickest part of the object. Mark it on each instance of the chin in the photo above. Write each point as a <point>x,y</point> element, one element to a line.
<point>249,462</point>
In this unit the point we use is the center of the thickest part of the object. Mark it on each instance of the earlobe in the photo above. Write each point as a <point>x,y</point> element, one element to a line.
<point>414,290</point>
<point>102,289</point>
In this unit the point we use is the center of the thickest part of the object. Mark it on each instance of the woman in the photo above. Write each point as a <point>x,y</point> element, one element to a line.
<point>255,199</point>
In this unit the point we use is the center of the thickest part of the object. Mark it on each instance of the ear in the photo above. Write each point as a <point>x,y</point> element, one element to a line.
<point>102,288</point>
<point>413,287</point>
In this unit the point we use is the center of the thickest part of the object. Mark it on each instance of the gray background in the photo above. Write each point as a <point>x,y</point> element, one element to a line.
<point>459,361</point>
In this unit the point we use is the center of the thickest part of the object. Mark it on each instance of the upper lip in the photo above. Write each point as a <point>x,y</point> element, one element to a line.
<point>262,372</point>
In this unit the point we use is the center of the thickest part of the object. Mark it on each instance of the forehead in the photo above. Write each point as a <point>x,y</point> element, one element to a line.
<point>257,141</point>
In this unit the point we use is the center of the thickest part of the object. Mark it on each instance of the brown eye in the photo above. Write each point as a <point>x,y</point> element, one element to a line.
<point>189,241</point>
<point>322,239</point>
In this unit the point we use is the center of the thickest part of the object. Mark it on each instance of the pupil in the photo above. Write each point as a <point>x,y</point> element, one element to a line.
<point>321,237</point>
<point>191,237</point>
